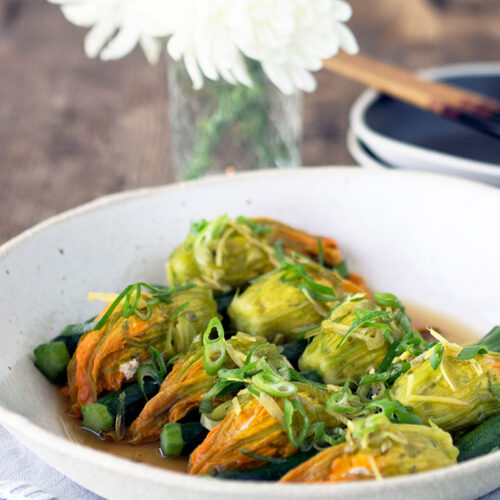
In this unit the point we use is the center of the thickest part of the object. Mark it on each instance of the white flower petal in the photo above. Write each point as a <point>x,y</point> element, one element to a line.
<point>122,44</point>
<point>279,77</point>
<point>347,40</point>
<point>342,11</point>
<point>97,37</point>
<point>151,48</point>
<point>193,71</point>
<point>290,38</point>
<point>83,15</point>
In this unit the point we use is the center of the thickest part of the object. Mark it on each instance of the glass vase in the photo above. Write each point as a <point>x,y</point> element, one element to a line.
<point>224,128</point>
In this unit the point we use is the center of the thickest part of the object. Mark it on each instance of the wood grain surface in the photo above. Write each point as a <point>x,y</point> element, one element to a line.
<point>72,129</point>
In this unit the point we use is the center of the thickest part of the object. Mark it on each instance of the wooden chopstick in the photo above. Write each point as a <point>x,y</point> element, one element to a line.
<point>471,108</point>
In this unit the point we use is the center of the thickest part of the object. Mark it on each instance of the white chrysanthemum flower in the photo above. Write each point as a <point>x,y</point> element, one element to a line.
<point>117,26</point>
<point>290,38</point>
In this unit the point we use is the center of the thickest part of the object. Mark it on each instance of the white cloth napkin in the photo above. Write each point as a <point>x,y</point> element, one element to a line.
<point>24,476</point>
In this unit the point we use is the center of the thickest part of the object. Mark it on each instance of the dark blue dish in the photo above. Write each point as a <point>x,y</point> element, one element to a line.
<point>402,122</point>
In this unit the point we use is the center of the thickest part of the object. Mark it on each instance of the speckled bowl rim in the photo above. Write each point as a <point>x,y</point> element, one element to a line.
<point>22,426</point>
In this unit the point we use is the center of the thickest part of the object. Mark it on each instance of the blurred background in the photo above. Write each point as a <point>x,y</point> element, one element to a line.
<point>72,129</point>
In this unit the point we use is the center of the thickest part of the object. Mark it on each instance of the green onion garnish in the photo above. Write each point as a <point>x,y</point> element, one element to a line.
<point>389,376</point>
<point>176,312</point>
<point>198,227</point>
<point>256,228</point>
<point>437,356</point>
<point>146,371</point>
<point>130,306</point>
<point>395,411</point>
<point>292,408</point>
<point>158,363</point>
<point>471,351</point>
<point>252,351</point>
<point>367,319</point>
<point>270,382</point>
<point>280,253</point>
<point>214,353</point>
<point>387,299</point>
<point>253,390</point>
<point>344,401</point>
<point>492,339</point>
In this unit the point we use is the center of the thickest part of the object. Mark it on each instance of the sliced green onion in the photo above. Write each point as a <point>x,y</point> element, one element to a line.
<point>273,384</point>
<point>171,441</point>
<point>219,389</point>
<point>492,340</point>
<point>317,296</point>
<point>471,351</point>
<point>158,294</point>
<point>198,227</point>
<point>280,254</point>
<point>367,320</point>
<point>253,390</point>
<point>254,226</point>
<point>389,376</point>
<point>158,363</point>
<point>252,351</point>
<point>387,299</point>
<point>437,356</point>
<point>318,437</point>
<point>292,408</point>
<point>218,225</point>
<point>403,321</point>
<point>317,287</point>
<point>395,411</point>
<point>146,371</point>
<point>344,401</point>
<point>214,353</point>
<point>178,310</point>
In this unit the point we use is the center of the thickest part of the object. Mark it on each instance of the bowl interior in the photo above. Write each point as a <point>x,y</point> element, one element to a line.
<point>405,123</point>
<point>428,239</point>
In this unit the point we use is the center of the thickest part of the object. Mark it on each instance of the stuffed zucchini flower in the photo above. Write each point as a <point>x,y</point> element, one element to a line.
<point>293,298</point>
<point>225,254</point>
<point>376,448</point>
<point>259,424</point>
<point>126,331</point>
<point>185,387</point>
<point>451,385</point>
<point>353,340</point>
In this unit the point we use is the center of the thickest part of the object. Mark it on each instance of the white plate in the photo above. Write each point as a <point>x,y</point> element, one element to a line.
<point>409,155</point>
<point>429,239</point>
<point>361,154</point>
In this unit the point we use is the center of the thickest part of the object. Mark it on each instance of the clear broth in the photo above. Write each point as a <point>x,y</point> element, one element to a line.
<point>150,454</point>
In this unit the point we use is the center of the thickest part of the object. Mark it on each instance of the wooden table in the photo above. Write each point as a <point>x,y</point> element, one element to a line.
<point>72,129</point>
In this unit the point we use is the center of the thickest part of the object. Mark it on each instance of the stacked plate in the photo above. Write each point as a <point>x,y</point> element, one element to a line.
<point>386,133</point>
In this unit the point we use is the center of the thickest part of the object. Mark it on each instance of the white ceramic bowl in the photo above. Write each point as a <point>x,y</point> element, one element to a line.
<point>399,133</point>
<point>429,239</point>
